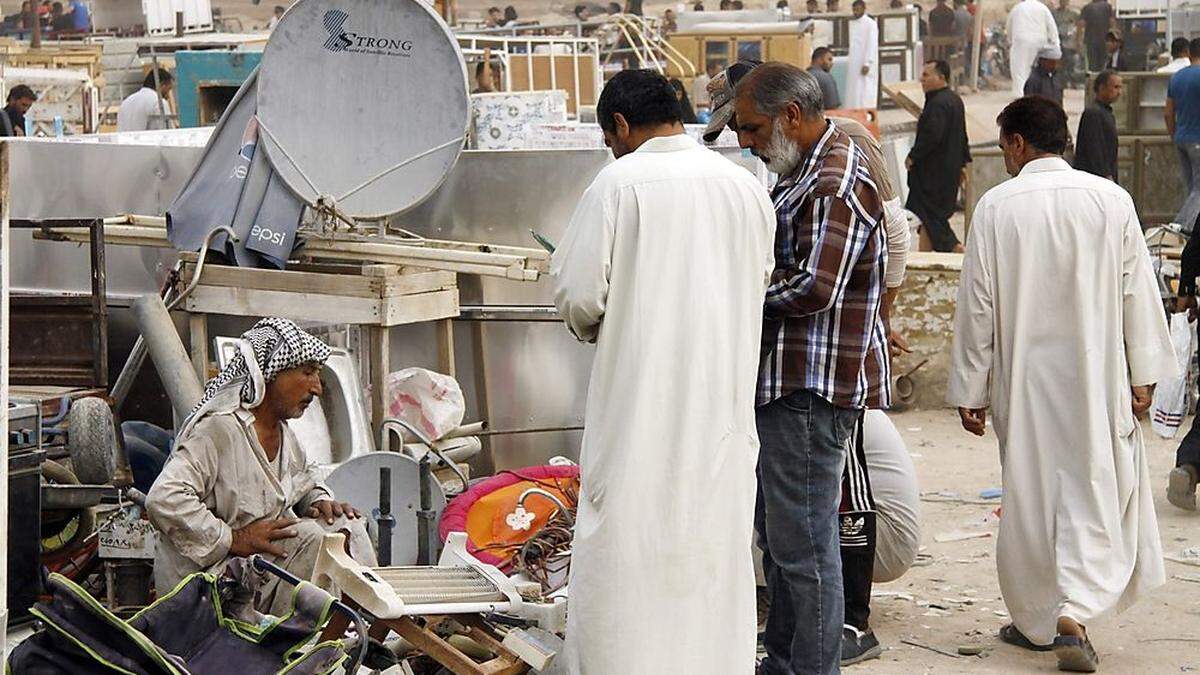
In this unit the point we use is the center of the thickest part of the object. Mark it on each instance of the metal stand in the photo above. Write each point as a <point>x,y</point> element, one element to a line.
<point>384,518</point>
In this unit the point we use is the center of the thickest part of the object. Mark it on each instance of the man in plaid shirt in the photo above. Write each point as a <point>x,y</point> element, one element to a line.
<point>823,358</point>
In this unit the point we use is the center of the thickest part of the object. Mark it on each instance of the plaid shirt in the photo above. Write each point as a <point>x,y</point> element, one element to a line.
<point>821,325</point>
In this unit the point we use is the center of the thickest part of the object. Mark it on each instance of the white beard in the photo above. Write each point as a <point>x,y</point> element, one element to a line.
<point>782,153</point>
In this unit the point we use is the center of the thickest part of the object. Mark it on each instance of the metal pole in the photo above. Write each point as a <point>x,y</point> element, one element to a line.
<point>384,516</point>
<point>167,352</point>
<point>426,534</point>
<point>35,27</point>
<point>178,24</point>
<point>5,244</point>
<point>976,46</point>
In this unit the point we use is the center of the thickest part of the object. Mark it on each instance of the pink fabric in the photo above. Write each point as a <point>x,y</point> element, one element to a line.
<point>454,518</point>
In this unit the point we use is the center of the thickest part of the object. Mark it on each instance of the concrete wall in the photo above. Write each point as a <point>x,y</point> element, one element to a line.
<point>924,314</point>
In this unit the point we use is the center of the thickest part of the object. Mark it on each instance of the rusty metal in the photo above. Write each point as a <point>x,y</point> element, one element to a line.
<point>99,306</point>
<point>52,341</point>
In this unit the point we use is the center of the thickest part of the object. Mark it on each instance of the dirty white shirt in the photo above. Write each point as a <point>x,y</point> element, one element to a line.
<point>218,479</point>
<point>138,111</point>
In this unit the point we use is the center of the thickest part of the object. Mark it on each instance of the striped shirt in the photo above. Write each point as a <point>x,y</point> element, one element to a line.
<point>821,325</point>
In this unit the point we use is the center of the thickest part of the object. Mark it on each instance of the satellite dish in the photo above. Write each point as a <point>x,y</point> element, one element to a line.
<point>363,102</point>
<point>357,481</point>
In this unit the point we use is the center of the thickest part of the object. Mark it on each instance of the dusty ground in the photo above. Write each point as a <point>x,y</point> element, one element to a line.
<point>960,577</point>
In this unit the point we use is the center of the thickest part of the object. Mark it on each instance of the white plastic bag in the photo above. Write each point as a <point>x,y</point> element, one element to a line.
<point>1170,397</point>
<point>430,401</point>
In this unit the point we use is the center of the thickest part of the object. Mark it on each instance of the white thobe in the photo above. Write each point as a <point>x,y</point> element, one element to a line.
<point>862,91</point>
<point>139,111</point>
<point>1059,311</point>
<point>1031,28</point>
<point>665,265</point>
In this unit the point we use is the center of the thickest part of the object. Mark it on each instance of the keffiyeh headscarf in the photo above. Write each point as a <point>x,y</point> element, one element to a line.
<point>272,346</point>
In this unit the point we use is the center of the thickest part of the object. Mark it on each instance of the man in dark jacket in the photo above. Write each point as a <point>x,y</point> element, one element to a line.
<point>937,158</point>
<point>1096,141</point>
<point>1044,79</point>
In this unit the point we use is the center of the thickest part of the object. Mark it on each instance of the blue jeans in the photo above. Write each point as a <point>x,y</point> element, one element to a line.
<point>1189,161</point>
<point>803,445</point>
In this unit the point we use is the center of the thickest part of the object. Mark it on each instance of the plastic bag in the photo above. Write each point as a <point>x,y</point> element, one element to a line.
<point>430,401</point>
<point>1170,397</point>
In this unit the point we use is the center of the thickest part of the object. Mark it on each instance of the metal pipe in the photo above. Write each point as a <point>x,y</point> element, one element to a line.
<point>562,508</point>
<point>388,424</point>
<point>137,355</point>
<point>426,537</point>
<point>383,516</point>
<point>167,352</point>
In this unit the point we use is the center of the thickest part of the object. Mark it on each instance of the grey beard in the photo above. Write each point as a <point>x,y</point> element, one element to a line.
<point>782,152</point>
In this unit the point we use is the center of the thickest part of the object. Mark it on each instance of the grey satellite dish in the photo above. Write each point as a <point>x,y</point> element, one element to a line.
<point>357,481</point>
<point>363,102</point>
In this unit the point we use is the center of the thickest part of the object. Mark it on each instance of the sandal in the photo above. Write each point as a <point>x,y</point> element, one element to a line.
<point>1013,636</point>
<point>1076,654</point>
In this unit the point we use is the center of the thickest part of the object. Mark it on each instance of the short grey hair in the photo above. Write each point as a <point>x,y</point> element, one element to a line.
<point>772,86</point>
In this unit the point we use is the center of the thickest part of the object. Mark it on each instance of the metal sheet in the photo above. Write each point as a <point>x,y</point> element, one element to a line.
<point>390,66</point>
<point>537,373</point>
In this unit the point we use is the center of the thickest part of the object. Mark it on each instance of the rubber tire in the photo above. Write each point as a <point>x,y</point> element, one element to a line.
<point>92,441</point>
<point>53,472</point>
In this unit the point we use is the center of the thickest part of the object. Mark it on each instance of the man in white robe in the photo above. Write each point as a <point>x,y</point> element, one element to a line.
<point>664,266</point>
<point>238,483</point>
<point>1059,330</point>
<point>862,68</point>
<point>1031,28</point>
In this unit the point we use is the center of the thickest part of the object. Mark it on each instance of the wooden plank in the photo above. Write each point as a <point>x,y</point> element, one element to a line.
<point>419,282</point>
<point>405,309</point>
<point>284,280</point>
<point>435,647</point>
<point>198,330</point>
<point>295,306</point>
<point>445,347</point>
<point>379,340</point>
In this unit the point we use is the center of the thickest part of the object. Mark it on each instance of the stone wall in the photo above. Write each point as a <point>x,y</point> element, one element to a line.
<point>924,314</point>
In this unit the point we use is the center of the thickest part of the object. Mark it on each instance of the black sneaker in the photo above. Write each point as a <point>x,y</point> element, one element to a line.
<point>858,646</point>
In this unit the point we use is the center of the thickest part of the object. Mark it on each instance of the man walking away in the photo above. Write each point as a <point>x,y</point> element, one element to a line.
<point>1180,58</point>
<point>1030,28</point>
<point>862,70</point>
<point>1183,123</point>
<point>1079,537</point>
<point>1098,18</point>
<point>1096,142</point>
<point>664,266</point>
<point>822,63</point>
<point>824,355</point>
<point>937,158</point>
<point>1044,79</point>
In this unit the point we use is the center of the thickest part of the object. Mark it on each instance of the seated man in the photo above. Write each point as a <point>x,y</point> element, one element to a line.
<point>238,483</point>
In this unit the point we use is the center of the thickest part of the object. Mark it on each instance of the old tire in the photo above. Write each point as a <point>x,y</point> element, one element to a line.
<point>92,441</point>
<point>66,529</point>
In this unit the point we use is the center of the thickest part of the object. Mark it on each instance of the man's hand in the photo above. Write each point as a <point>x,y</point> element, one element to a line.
<point>974,420</point>
<point>259,537</point>
<point>897,343</point>
<point>331,510</point>
<point>1186,303</point>
<point>908,164</point>
<point>866,70</point>
<point>1142,398</point>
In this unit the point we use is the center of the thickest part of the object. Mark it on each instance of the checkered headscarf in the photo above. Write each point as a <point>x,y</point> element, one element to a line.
<point>272,346</point>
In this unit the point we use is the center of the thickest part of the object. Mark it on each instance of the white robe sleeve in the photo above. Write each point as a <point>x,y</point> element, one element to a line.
<point>176,503</point>
<point>581,263</point>
<point>1051,28</point>
<point>896,225</point>
<point>872,44</point>
<point>974,322</point>
<point>1147,339</point>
